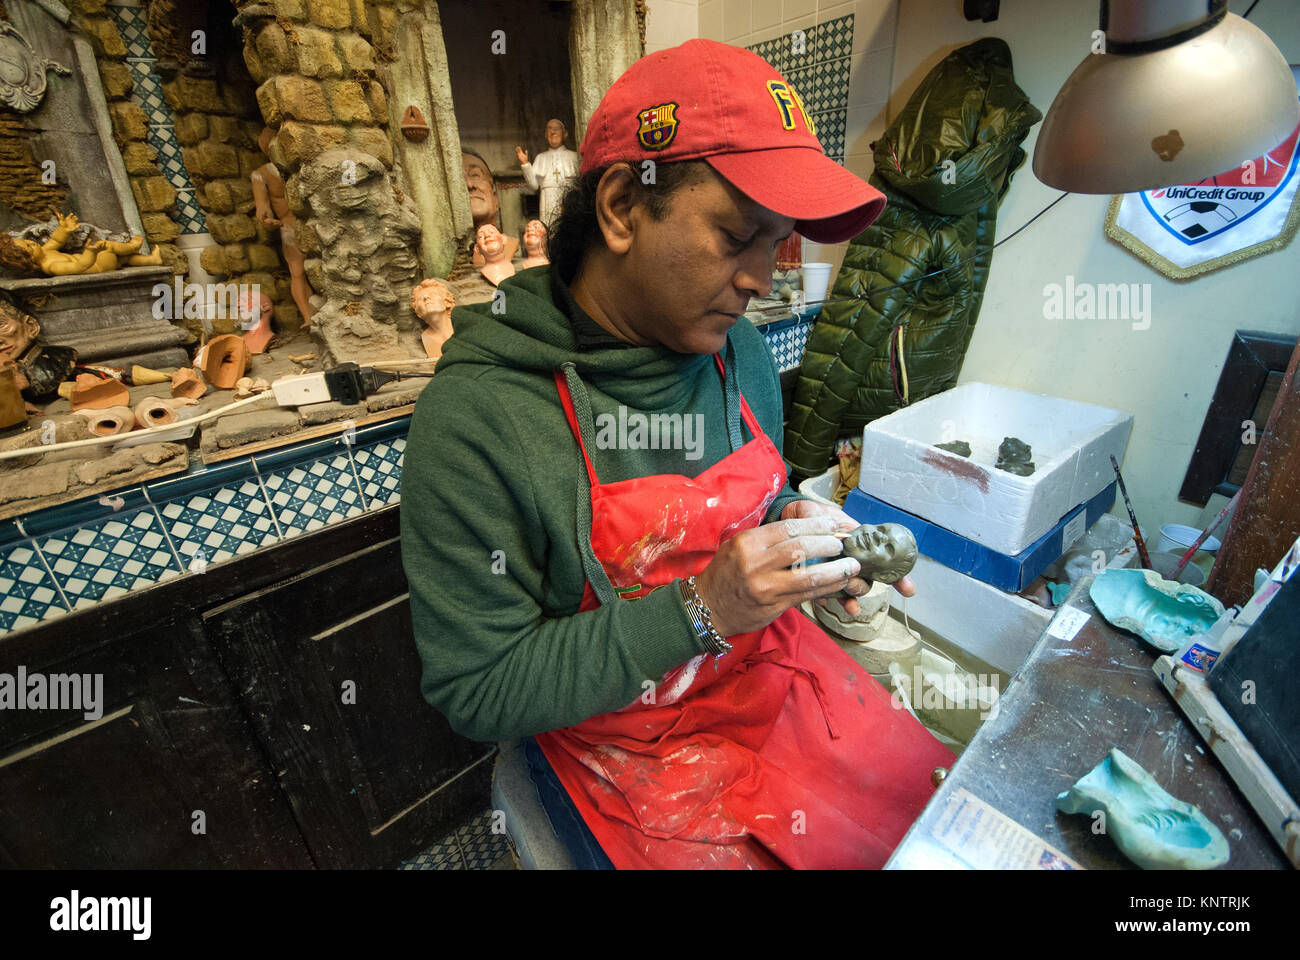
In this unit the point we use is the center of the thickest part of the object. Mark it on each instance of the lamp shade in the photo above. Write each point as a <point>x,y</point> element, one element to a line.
<point>1127,121</point>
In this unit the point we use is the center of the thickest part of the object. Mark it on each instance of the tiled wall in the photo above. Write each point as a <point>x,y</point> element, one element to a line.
<point>670,22</point>
<point>870,59</point>
<point>73,556</point>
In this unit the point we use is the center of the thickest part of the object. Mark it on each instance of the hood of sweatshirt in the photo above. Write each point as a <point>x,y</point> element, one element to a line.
<point>532,333</point>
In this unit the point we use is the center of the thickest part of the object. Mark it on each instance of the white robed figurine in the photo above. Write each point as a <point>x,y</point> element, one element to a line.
<point>553,172</point>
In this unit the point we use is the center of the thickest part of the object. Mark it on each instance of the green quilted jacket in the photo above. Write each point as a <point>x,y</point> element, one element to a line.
<point>944,165</point>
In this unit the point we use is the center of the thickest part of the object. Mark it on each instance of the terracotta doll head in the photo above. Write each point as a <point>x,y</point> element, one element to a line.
<point>18,331</point>
<point>535,244</point>
<point>483,202</point>
<point>887,551</point>
<point>432,302</point>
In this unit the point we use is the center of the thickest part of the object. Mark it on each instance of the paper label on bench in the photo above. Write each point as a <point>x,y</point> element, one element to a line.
<point>1074,530</point>
<point>1068,622</point>
<point>987,839</point>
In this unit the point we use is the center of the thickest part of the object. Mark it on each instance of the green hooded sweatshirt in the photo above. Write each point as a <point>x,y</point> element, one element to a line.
<point>490,485</point>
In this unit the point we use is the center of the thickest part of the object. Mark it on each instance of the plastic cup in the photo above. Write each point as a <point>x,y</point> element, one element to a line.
<point>816,279</point>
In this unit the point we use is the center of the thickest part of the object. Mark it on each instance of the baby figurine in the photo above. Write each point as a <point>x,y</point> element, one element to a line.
<point>887,551</point>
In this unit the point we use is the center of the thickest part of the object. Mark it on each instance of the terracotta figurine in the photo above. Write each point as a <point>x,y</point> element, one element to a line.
<point>98,256</point>
<point>553,172</point>
<point>534,245</point>
<point>432,301</point>
<point>255,318</point>
<point>484,204</point>
<point>272,209</point>
<point>39,367</point>
<point>887,551</point>
<point>497,265</point>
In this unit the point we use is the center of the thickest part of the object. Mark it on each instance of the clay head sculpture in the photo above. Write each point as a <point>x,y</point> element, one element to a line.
<point>887,551</point>
<point>17,332</point>
<point>1014,456</point>
<point>492,244</point>
<point>432,302</point>
<point>535,244</point>
<point>39,367</point>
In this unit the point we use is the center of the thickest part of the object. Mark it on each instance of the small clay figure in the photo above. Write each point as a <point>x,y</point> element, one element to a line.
<point>272,209</point>
<point>1014,456</point>
<point>496,266</point>
<point>97,256</point>
<point>40,367</point>
<point>887,551</point>
<point>94,391</point>
<point>959,447</point>
<point>534,245</point>
<point>255,319</point>
<point>484,204</point>
<point>554,170</point>
<point>432,301</point>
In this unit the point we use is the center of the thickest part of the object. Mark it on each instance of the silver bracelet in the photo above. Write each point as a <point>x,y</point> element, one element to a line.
<point>701,621</point>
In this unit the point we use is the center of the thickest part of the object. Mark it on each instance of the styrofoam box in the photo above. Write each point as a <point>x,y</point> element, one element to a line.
<point>1072,444</point>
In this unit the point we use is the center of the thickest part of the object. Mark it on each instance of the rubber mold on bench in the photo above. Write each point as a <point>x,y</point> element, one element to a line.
<point>1153,829</point>
<point>1163,613</point>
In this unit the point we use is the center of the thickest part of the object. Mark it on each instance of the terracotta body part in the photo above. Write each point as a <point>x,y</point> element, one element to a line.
<point>432,302</point>
<point>188,382</point>
<point>90,392</point>
<point>535,245</point>
<point>142,375</point>
<point>272,211</point>
<point>497,265</point>
<point>255,318</point>
<point>160,411</point>
<point>224,360</point>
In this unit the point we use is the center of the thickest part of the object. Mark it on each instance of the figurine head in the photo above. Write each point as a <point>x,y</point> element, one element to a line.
<point>430,298</point>
<point>490,241</point>
<point>555,133</point>
<point>535,238</point>
<point>887,551</point>
<point>19,255</point>
<point>18,331</point>
<point>483,202</point>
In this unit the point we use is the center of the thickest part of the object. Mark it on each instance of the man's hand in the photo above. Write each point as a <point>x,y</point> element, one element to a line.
<point>813,508</point>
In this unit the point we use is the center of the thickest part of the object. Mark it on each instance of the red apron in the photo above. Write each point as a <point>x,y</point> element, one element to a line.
<point>783,752</point>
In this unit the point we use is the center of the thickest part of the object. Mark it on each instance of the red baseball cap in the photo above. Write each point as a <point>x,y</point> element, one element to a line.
<point>710,101</point>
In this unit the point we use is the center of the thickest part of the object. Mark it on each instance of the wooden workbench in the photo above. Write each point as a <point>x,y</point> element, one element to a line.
<point>1072,701</point>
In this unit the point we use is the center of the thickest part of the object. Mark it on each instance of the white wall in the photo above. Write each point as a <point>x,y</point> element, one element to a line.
<point>1165,376</point>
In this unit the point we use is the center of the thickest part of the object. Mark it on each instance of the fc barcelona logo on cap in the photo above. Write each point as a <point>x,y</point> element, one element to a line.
<point>658,126</point>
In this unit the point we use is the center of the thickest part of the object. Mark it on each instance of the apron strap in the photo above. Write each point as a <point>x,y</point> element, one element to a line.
<point>577,408</point>
<point>734,401</point>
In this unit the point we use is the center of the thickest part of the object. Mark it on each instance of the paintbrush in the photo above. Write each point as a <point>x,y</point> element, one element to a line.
<point>1137,533</point>
<point>1205,534</point>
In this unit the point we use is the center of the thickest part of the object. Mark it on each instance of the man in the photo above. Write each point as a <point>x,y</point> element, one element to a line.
<point>553,171</point>
<point>484,204</point>
<point>604,555</point>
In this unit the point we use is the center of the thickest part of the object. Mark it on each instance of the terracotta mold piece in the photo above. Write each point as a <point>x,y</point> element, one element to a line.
<point>188,382</point>
<point>1153,829</point>
<point>223,361</point>
<point>90,392</point>
<point>160,411</point>
<point>109,422</point>
<point>1163,613</point>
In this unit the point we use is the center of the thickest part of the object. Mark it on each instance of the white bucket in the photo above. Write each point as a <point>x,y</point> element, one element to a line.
<point>816,279</point>
<point>1177,537</point>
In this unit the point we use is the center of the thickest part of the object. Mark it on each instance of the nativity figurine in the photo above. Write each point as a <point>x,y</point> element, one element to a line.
<point>271,207</point>
<point>484,204</point>
<point>496,258</point>
<point>99,253</point>
<point>887,551</point>
<point>552,172</point>
<point>432,302</point>
<point>39,367</point>
<point>534,245</point>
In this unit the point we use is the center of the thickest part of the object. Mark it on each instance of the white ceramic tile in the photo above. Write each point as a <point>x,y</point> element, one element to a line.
<point>833,11</point>
<point>865,125</point>
<point>711,19</point>
<point>874,24</point>
<point>765,13</point>
<point>799,10</point>
<point>769,33</point>
<point>736,23</point>
<point>870,77</point>
<point>670,22</point>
